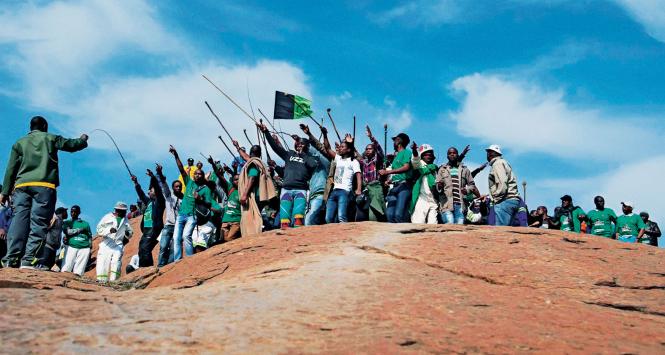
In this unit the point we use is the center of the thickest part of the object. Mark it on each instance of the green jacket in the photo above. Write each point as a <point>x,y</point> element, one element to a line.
<point>34,160</point>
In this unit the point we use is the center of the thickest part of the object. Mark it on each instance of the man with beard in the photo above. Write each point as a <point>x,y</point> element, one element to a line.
<point>630,227</point>
<point>651,230</point>
<point>400,172</point>
<point>454,181</point>
<point>568,217</point>
<point>196,208</point>
<point>424,205</point>
<point>602,220</point>
<point>152,222</point>
<point>373,207</point>
<point>298,169</point>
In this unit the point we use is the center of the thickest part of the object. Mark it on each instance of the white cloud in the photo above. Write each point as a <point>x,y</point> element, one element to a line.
<point>525,117</point>
<point>147,114</point>
<point>423,12</point>
<point>59,44</point>
<point>346,105</point>
<point>639,182</point>
<point>649,13</point>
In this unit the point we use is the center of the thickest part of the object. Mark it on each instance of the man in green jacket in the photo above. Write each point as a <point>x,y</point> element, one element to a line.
<point>32,178</point>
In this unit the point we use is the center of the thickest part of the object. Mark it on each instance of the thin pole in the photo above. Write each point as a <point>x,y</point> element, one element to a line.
<point>246,136</point>
<point>230,99</point>
<point>385,139</point>
<point>265,144</point>
<point>116,148</point>
<point>227,148</point>
<point>307,112</point>
<point>218,120</point>
<point>272,126</point>
<point>524,189</point>
<point>333,123</point>
<point>354,128</point>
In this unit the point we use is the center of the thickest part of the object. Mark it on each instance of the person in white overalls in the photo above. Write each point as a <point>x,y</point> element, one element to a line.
<point>115,231</point>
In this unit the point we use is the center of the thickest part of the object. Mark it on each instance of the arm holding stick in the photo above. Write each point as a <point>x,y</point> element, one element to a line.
<point>242,153</point>
<point>181,168</point>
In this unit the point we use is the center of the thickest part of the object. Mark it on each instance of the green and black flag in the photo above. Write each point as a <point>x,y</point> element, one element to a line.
<point>291,107</point>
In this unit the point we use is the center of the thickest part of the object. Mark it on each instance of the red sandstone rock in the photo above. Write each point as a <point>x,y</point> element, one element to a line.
<point>358,288</point>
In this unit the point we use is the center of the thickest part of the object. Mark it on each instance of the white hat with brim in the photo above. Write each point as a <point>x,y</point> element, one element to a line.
<point>120,206</point>
<point>495,148</point>
<point>628,203</point>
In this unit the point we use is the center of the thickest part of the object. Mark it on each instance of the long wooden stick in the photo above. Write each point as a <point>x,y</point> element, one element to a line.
<point>334,126</point>
<point>230,99</point>
<point>218,120</point>
<point>227,148</point>
<point>246,136</point>
<point>272,126</point>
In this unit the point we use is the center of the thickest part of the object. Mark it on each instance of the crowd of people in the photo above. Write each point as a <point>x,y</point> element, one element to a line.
<point>318,183</point>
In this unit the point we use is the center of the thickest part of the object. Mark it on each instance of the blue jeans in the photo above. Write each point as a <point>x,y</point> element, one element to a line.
<point>166,246</point>
<point>505,211</point>
<point>456,216</point>
<point>184,227</point>
<point>315,211</point>
<point>398,199</point>
<point>627,238</point>
<point>338,203</point>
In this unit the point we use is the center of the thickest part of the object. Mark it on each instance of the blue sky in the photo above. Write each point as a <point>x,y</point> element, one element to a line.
<point>572,90</point>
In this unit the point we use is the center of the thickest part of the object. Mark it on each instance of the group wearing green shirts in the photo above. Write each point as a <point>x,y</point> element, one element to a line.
<point>602,222</point>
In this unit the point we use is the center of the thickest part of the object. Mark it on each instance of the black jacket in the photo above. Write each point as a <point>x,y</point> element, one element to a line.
<point>158,205</point>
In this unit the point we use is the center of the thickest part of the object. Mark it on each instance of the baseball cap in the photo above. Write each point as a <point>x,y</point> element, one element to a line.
<point>120,206</point>
<point>628,203</point>
<point>644,214</point>
<point>495,148</point>
<point>404,137</point>
<point>425,148</point>
<point>566,198</point>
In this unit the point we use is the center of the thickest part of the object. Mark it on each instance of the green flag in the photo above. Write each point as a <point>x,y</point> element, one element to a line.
<point>291,107</point>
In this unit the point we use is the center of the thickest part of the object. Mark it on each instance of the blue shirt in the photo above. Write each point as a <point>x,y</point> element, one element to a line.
<point>317,184</point>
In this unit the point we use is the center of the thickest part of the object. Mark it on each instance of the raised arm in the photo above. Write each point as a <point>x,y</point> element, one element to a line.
<point>324,148</point>
<point>139,190</point>
<point>71,145</point>
<point>163,184</point>
<point>271,141</point>
<point>181,168</point>
<point>154,184</point>
<point>377,146</point>
<point>241,152</point>
<point>220,174</point>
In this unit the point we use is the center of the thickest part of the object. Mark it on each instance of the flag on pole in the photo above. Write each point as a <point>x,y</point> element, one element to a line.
<point>291,107</point>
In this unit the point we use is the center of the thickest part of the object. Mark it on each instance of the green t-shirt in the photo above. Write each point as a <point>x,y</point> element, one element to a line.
<point>81,240</point>
<point>253,171</point>
<point>601,222</point>
<point>403,157</point>
<point>232,211</point>
<point>571,226</point>
<point>147,216</point>
<point>188,201</point>
<point>629,225</point>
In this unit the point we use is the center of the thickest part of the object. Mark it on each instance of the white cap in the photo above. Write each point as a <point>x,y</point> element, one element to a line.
<point>425,148</point>
<point>120,206</point>
<point>628,203</point>
<point>495,148</point>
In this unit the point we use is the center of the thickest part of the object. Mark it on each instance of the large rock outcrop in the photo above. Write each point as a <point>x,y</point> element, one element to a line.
<point>358,288</point>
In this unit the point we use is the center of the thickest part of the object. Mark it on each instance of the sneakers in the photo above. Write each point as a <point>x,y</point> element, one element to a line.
<point>37,267</point>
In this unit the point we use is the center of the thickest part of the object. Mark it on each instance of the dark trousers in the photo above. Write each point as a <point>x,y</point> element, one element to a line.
<point>48,256</point>
<point>146,245</point>
<point>33,209</point>
<point>398,199</point>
